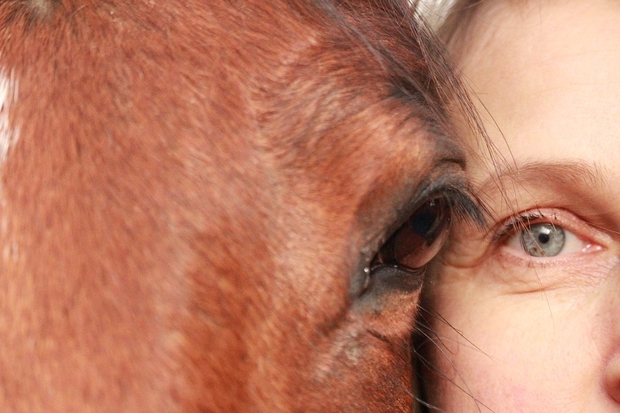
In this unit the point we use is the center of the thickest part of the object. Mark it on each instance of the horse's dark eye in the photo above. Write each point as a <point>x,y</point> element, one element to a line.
<point>419,239</point>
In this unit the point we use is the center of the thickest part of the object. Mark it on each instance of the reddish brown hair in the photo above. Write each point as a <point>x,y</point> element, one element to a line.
<point>190,192</point>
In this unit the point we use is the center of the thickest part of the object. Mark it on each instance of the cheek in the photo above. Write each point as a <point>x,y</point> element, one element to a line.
<point>505,351</point>
<point>472,370</point>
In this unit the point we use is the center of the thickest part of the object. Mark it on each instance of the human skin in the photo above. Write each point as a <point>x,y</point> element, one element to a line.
<point>514,332</point>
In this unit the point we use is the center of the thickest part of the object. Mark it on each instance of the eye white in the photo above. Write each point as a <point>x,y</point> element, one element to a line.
<point>544,239</point>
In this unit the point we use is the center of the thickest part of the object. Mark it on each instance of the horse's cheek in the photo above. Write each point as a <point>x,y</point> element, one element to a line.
<point>366,364</point>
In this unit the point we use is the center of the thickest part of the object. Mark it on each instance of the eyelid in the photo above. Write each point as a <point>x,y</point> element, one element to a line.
<point>510,226</point>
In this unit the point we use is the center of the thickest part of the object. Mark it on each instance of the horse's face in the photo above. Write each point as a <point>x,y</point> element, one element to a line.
<point>193,195</point>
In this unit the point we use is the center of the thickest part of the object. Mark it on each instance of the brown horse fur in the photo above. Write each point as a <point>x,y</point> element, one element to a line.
<point>191,192</point>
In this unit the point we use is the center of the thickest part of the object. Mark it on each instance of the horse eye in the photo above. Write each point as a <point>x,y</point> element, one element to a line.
<point>419,239</point>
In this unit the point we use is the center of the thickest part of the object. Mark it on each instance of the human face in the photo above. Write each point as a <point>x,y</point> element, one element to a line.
<point>526,313</point>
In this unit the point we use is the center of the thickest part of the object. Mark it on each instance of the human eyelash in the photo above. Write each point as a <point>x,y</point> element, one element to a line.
<point>516,223</point>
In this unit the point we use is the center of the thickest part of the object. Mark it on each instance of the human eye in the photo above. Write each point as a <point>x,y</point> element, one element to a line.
<point>548,234</point>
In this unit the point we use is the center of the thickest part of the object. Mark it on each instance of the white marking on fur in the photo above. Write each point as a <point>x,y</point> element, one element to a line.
<point>8,96</point>
<point>8,137</point>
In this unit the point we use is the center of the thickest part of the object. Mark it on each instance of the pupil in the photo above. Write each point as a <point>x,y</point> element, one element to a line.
<point>543,238</point>
<point>419,239</point>
<point>423,223</point>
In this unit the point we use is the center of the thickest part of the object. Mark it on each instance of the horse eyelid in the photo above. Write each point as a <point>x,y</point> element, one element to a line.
<point>465,205</point>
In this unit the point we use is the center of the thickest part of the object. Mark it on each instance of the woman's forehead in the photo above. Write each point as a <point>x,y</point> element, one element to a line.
<point>526,32</point>
<point>547,79</point>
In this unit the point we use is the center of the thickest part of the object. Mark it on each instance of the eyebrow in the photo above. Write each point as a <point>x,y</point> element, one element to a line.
<point>584,188</point>
<point>572,174</point>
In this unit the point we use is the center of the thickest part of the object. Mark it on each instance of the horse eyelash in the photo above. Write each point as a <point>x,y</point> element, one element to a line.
<point>466,206</point>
